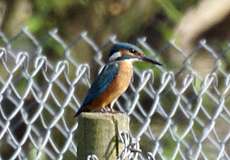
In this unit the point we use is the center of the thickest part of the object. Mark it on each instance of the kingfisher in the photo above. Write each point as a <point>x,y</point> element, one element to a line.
<point>114,79</point>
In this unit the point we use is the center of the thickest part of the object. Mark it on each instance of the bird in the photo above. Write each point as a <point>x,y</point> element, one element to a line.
<point>114,78</point>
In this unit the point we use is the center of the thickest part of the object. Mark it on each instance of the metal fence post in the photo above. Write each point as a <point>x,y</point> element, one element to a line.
<point>98,133</point>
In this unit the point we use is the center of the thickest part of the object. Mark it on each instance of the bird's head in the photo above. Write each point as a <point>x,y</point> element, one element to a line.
<point>128,52</point>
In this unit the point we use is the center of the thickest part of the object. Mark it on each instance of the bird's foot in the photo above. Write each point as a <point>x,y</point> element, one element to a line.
<point>111,110</point>
<point>103,110</point>
<point>108,110</point>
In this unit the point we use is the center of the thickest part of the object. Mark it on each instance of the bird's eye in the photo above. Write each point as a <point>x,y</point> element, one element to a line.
<point>132,50</point>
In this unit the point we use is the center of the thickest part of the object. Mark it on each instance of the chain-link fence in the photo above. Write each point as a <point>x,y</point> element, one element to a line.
<point>178,111</point>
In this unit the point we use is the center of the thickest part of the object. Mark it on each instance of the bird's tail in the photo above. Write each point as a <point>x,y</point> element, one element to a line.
<point>77,114</point>
<point>82,109</point>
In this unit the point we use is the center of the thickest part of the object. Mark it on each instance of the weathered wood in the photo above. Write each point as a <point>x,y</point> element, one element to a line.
<point>98,133</point>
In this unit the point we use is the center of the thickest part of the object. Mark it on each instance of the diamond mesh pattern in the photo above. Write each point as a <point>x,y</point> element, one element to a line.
<point>176,111</point>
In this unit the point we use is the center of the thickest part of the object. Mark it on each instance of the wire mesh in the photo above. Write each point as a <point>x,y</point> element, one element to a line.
<point>177,111</point>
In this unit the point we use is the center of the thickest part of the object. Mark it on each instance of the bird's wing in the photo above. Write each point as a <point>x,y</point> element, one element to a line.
<point>100,84</point>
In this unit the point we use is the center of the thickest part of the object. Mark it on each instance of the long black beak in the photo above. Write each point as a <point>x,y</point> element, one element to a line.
<point>149,60</point>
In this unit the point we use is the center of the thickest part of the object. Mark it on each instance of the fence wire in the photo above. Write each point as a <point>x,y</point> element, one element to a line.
<point>178,111</point>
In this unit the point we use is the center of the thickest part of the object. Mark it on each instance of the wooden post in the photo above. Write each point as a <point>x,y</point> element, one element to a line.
<point>98,133</point>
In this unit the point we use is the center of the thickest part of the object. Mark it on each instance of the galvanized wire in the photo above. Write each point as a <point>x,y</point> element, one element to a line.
<point>177,113</point>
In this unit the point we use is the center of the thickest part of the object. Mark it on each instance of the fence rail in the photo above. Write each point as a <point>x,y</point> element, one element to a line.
<point>178,111</point>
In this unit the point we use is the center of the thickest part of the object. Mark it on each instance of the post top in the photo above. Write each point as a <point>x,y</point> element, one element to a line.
<point>104,116</point>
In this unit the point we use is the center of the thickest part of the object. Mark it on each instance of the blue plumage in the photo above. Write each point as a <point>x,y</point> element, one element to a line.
<point>100,84</point>
<point>121,45</point>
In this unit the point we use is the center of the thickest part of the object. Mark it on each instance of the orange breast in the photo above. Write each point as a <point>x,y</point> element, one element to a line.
<point>118,86</point>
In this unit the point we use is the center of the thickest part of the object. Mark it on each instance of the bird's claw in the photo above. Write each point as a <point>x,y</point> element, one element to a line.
<point>108,110</point>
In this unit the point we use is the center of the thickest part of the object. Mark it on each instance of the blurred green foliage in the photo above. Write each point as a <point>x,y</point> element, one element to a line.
<point>102,18</point>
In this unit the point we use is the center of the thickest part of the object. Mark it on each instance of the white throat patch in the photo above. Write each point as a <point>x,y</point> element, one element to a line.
<point>115,56</point>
